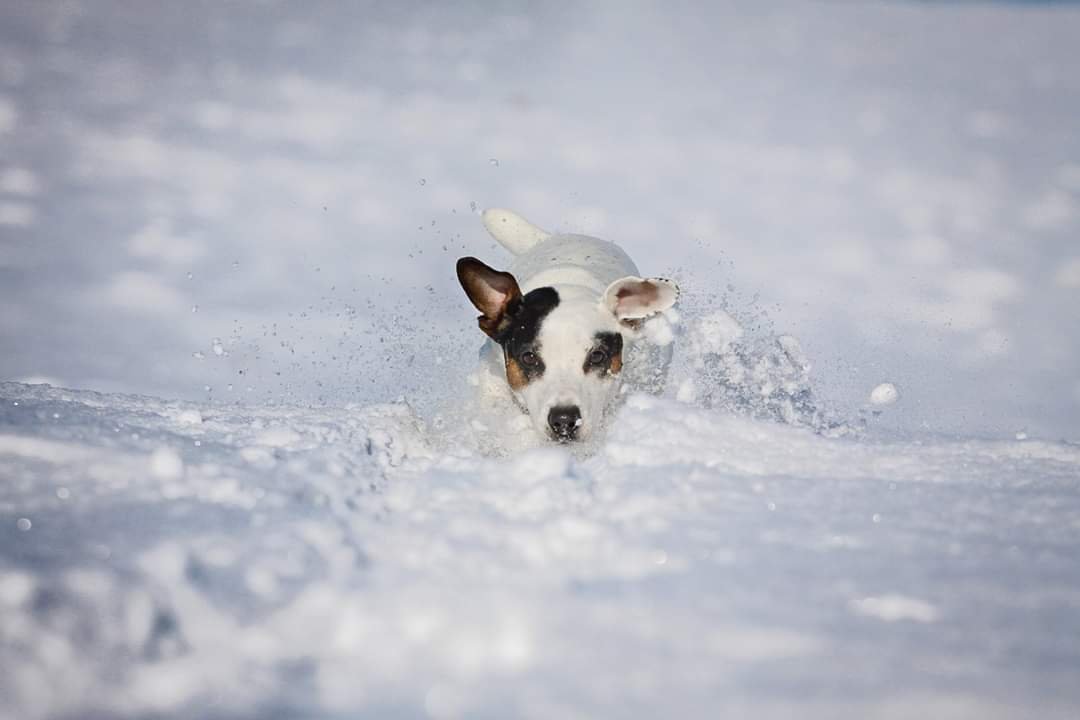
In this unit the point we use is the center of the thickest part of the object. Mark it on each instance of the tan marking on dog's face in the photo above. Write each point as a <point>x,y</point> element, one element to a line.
<point>515,375</point>
<point>616,363</point>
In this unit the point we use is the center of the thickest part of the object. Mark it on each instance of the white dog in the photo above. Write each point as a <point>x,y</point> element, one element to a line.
<point>558,321</point>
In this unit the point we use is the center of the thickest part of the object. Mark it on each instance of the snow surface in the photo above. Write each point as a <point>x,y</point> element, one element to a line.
<point>255,210</point>
<point>285,561</point>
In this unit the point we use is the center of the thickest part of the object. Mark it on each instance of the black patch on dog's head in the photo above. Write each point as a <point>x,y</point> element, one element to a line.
<point>605,355</point>
<point>518,338</point>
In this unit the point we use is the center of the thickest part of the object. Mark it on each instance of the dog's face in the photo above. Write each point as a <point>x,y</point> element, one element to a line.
<point>562,347</point>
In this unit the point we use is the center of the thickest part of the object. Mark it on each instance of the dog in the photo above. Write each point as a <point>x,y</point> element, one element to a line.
<point>560,321</point>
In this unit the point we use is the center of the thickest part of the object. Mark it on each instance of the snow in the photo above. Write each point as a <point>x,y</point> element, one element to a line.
<point>165,464</point>
<point>884,394</point>
<point>274,494</point>
<point>894,608</point>
<point>358,559</point>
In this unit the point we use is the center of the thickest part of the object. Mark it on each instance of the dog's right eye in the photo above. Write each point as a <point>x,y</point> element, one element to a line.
<point>529,358</point>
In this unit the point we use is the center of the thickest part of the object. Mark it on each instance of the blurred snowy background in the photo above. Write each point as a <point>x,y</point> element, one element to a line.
<point>264,200</point>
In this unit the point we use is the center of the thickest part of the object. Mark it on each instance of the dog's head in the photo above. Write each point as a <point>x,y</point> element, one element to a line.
<point>562,347</point>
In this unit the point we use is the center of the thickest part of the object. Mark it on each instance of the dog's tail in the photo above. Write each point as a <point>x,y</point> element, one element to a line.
<point>513,232</point>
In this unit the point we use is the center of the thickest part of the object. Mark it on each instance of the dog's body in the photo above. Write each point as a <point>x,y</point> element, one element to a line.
<point>557,322</point>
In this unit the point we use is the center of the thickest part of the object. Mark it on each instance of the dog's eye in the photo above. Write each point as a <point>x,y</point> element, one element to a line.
<point>597,357</point>
<point>529,359</point>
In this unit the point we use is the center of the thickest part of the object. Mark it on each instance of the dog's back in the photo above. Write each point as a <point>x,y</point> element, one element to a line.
<point>543,259</point>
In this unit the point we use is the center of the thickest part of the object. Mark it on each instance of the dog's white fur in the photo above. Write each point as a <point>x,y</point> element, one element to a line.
<point>599,291</point>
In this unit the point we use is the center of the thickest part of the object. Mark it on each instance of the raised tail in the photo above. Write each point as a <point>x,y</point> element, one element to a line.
<point>513,232</point>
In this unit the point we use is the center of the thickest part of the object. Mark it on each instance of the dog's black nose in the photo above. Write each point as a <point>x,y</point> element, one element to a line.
<point>564,421</point>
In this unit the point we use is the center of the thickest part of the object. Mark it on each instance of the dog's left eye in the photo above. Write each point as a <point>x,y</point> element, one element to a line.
<point>597,357</point>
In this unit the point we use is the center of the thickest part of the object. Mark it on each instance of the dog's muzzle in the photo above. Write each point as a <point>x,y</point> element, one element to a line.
<point>564,422</point>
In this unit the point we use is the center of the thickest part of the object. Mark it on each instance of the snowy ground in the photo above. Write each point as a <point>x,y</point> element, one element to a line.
<point>212,561</point>
<point>254,210</point>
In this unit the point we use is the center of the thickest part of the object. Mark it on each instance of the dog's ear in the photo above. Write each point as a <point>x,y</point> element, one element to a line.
<point>495,294</point>
<point>633,298</point>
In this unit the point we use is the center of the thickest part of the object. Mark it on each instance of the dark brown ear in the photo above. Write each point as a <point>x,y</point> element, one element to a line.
<point>493,293</point>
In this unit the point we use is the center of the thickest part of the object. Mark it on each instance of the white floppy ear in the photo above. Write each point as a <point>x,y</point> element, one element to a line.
<point>634,298</point>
